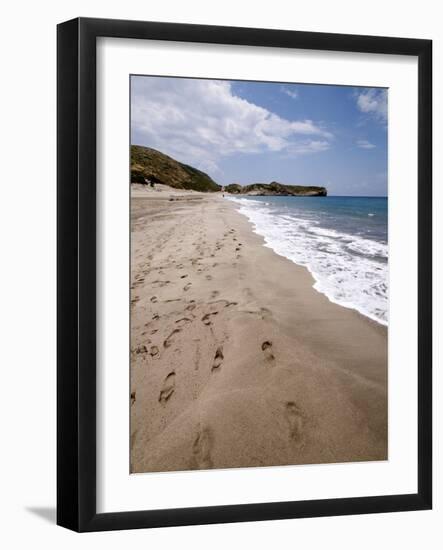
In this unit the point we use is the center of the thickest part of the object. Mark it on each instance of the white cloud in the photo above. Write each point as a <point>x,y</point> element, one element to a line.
<point>365,144</point>
<point>201,121</point>
<point>291,93</point>
<point>374,102</point>
<point>309,146</point>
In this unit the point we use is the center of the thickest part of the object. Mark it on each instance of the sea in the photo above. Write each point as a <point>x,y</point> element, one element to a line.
<point>342,241</point>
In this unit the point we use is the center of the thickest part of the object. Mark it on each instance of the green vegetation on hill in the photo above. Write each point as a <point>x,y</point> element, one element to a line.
<point>149,164</point>
<point>275,188</point>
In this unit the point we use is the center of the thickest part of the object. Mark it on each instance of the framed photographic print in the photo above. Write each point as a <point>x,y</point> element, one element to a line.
<point>244,274</point>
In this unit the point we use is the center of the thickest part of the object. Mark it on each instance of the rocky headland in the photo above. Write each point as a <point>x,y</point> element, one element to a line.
<point>275,188</point>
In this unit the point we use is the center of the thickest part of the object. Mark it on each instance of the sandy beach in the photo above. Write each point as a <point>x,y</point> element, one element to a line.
<point>236,361</point>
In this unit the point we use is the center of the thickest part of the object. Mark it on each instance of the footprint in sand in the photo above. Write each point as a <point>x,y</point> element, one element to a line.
<point>190,307</point>
<point>206,319</point>
<point>183,321</point>
<point>294,417</point>
<point>142,349</point>
<point>183,277</point>
<point>161,284</point>
<point>201,450</point>
<point>168,340</point>
<point>225,303</point>
<point>154,351</point>
<point>167,388</point>
<point>187,287</point>
<point>209,277</point>
<point>218,359</point>
<point>267,350</point>
<point>132,397</point>
<point>154,299</point>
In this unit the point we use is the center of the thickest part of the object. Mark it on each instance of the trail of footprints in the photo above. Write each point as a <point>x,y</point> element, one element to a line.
<point>203,443</point>
<point>139,279</point>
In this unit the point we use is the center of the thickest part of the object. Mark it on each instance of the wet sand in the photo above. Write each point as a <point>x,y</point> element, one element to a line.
<point>236,360</point>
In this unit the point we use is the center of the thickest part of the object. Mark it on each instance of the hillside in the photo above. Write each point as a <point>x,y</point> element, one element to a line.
<point>147,163</point>
<point>275,188</point>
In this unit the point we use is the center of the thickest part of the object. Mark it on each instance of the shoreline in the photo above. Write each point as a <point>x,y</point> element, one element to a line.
<point>236,360</point>
<point>317,279</point>
<point>265,244</point>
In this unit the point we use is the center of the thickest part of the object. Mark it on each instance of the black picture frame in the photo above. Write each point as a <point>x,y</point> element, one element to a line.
<point>76,280</point>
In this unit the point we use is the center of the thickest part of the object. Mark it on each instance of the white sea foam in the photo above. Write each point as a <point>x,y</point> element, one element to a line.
<point>350,270</point>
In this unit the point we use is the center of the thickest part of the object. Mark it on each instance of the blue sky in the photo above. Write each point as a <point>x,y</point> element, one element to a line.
<point>246,132</point>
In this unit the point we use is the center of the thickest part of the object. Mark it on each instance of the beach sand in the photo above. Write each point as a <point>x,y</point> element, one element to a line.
<point>236,361</point>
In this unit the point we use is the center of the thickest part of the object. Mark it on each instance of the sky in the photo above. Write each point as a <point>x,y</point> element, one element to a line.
<point>248,132</point>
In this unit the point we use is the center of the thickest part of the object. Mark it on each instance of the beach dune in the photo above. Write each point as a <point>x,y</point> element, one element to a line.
<point>236,361</point>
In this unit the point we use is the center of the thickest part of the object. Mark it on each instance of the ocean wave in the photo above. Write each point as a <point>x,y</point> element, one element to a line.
<point>350,270</point>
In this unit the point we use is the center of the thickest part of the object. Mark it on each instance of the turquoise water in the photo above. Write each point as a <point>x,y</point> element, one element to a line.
<point>343,241</point>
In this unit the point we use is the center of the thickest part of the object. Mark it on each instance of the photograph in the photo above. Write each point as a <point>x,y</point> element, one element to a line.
<point>259,299</point>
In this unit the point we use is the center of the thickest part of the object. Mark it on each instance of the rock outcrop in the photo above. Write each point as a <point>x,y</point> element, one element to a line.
<point>275,188</point>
